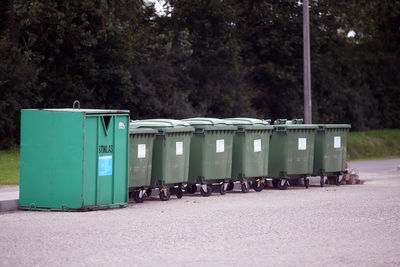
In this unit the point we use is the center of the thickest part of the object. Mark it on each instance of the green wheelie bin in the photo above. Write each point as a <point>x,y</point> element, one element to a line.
<point>210,155</point>
<point>140,160</point>
<point>291,152</point>
<point>250,153</point>
<point>330,151</point>
<point>170,162</point>
<point>74,159</point>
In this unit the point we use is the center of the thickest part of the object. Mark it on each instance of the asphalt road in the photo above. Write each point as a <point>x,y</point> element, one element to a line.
<point>354,225</point>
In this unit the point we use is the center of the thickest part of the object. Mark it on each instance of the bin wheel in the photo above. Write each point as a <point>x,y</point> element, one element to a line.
<point>322,181</point>
<point>307,182</point>
<point>206,194</point>
<point>258,185</point>
<point>222,190</point>
<point>231,185</point>
<point>337,181</point>
<point>282,184</point>
<point>148,192</point>
<point>191,188</point>
<point>179,193</point>
<point>275,183</point>
<point>245,187</point>
<point>138,196</point>
<point>165,194</point>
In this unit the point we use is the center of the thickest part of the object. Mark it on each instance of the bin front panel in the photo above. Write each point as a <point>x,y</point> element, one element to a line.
<point>334,158</point>
<point>291,152</point>
<point>171,158</point>
<point>141,152</point>
<point>106,159</point>
<point>300,156</point>
<point>211,155</point>
<point>217,157</point>
<point>51,159</point>
<point>250,153</point>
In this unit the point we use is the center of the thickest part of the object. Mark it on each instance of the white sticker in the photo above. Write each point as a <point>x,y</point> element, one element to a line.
<point>121,125</point>
<point>257,145</point>
<point>179,148</point>
<point>141,151</point>
<point>302,144</point>
<point>336,142</point>
<point>220,146</point>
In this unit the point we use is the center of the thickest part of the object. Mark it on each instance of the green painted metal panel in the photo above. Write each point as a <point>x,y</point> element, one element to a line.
<point>291,151</point>
<point>141,153</point>
<point>73,160</point>
<point>51,159</point>
<point>250,148</point>
<point>211,150</point>
<point>170,158</point>
<point>330,148</point>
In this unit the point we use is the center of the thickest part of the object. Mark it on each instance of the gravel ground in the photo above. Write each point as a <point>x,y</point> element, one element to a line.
<point>330,226</point>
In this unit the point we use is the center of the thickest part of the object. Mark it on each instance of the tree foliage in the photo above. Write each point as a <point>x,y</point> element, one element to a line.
<point>200,58</point>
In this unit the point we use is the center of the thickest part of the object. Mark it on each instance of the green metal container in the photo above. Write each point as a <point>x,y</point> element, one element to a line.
<point>330,151</point>
<point>140,161</point>
<point>250,152</point>
<point>291,152</point>
<point>74,159</point>
<point>171,150</point>
<point>210,154</point>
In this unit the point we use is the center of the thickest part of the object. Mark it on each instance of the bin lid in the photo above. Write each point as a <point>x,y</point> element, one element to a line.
<point>340,126</point>
<point>162,125</point>
<point>250,123</point>
<point>293,124</point>
<point>210,124</point>
<point>88,111</point>
<point>133,130</point>
<point>285,121</point>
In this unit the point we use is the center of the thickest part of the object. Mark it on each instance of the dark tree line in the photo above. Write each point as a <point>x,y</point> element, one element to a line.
<point>200,58</point>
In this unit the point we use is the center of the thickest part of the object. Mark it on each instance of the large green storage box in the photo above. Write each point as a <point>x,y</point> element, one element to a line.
<point>210,154</point>
<point>330,151</point>
<point>74,159</point>
<point>250,152</point>
<point>140,161</point>
<point>291,152</point>
<point>171,152</point>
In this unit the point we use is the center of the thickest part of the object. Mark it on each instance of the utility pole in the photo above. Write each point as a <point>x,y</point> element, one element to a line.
<point>307,68</point>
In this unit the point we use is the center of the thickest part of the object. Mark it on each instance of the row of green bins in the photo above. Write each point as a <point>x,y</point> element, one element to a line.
<point>330,151</point>
<point>170,156</point>
<point>250,153</point>
<point>74,159</point>
<point>291,152</point>
<point>210,155</point>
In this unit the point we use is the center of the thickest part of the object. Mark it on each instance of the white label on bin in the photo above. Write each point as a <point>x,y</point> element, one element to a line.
<point>302,144</point>
<point>141,151</point>
<point>220,146</point>
<point>179,148</point>
<point>121,125</point>
<point>105,165</point>
<point>336,142</point>
<point>257,145</point>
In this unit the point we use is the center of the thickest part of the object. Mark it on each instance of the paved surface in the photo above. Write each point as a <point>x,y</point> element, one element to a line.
<point>330,226</point>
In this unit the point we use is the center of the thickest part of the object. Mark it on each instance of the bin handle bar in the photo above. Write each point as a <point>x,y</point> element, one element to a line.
<point>76,102</point>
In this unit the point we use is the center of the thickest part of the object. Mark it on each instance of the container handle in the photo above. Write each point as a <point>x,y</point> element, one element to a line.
<point>76,102</point>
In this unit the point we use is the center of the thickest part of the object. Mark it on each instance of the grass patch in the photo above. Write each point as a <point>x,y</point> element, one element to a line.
<point>9,167</point>
<point>375,144</point>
